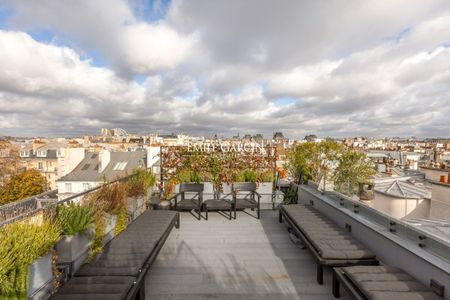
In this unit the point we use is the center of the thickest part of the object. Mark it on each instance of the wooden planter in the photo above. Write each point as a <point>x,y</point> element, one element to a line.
<point>40,278</point>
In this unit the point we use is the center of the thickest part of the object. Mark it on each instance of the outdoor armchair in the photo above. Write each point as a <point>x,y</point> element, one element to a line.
<point>189,197</point>
<point>245,196</point>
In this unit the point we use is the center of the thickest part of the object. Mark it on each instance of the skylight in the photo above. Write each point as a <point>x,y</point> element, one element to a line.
<point>120,166</point>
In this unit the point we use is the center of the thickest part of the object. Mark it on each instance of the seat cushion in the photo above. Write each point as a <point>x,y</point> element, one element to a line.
<point>187,204</point>
<point>95,288</point>
<point>387,283</point>
<point>127,253</point>
<point>329,240</point>
<point>245,203</point>
<point>217,204</point>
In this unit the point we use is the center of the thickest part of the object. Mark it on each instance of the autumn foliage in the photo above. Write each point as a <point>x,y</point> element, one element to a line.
<point>22,185</point>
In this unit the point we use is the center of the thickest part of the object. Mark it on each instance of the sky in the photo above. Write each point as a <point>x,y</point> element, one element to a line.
<point>326,67</point>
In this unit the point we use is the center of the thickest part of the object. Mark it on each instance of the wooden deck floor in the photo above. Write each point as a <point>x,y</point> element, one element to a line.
<point>239,259</point>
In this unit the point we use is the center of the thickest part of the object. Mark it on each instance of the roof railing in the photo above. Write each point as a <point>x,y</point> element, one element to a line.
<point>29,207</point>
<point>359,210</point>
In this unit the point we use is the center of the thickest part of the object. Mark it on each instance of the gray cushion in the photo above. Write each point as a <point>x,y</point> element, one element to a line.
<point>245,203</point>
<point>95,288</point>
<point>217,204</point>
<point>330,241</point>
<point>188,204</point>
<point>387,283</point>
<point>126,254</point>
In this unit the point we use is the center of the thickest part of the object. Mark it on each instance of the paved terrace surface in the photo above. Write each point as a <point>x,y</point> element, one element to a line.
<point>239,259</point>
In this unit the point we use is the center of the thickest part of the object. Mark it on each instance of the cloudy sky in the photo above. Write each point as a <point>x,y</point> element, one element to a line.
<point>329,67</point>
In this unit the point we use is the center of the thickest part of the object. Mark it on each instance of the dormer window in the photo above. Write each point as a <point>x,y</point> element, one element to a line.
<point>24,153</point>
<point>41,153</point>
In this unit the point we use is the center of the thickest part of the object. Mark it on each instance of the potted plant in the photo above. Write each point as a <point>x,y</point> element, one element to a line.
<point>110,214</point>
<point>138,187</point>
<point>76,223</point>
<point>26,259</point>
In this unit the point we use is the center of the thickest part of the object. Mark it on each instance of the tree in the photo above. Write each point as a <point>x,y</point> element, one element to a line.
<point>300,161</point>
<point>313,160</point>
<point>9,159</point>
<point>22,185</point>
<point>353,167</point>
<point>327,153</point>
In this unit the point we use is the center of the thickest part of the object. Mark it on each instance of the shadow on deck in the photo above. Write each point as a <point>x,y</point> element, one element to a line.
<point>239,259</point>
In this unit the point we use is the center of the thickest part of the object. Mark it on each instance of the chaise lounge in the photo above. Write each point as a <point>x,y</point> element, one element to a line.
<point>329,244</point>
<point>381,283</point>
<point>119,271</point>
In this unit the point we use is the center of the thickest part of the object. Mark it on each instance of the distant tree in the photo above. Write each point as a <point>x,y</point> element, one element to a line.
<point>9,159</point>
<point>22,185</point>
<point>353,167</point>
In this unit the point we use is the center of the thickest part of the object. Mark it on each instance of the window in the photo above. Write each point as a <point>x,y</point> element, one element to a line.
<point>40,166</point>
<point>68,187</point>
<point>42,153</point>
<point>120,166</point>
<point>86,186</point>
<point>24,153</point>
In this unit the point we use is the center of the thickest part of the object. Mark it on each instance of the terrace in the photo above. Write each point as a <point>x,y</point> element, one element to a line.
<point>250,258</point>
<point>241,259</point>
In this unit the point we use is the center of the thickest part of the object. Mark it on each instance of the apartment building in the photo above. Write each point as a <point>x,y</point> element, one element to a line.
<point>95,168</point>
<point>51,160</point>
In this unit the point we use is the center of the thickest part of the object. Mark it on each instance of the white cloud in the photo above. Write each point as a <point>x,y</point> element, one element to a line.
<point>108,26</point>
<point>146,48</point>
<point>359,67</point>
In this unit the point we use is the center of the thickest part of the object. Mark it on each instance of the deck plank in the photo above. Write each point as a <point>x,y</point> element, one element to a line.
<point>239,259</point>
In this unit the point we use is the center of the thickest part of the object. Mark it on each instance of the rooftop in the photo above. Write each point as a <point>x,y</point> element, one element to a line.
<point>436,227</point>
<point>402,189</point>
<point>87,169</point>
<point>241,259</point>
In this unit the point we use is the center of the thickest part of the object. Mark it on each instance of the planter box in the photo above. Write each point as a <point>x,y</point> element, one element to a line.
<point>265,190</point>
<point>40,278</point>
<point>110,224</point>
<point>74,249</point>
<point>226,192</point>
<point>135,207</point>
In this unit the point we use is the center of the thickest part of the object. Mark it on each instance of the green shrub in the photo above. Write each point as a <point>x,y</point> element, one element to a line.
<point>265,176</point>
<point>75,218</point>
<point>291,196</point>
<point>186,175</point>
<point>239,177</point>
<point>250,176</point>
<point>20,244</point>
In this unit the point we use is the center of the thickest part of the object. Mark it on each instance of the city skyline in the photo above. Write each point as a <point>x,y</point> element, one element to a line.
<point>353,69</point>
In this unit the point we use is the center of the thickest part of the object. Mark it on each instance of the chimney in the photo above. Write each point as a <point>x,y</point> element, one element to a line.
<point>442,179</point>
<point>104,158</point>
